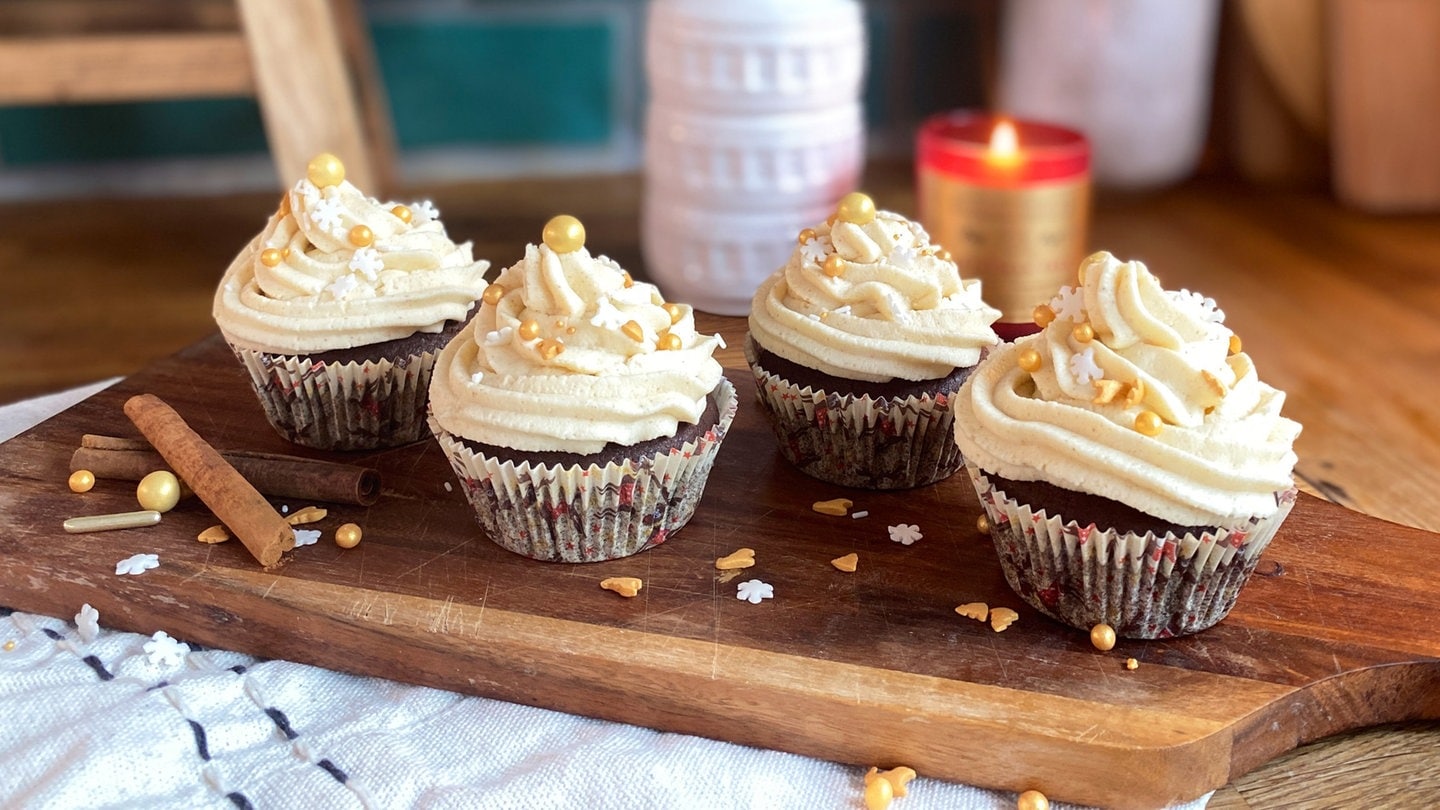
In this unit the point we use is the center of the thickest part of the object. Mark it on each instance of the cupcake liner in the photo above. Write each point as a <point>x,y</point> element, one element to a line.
<point>588,513</point>
<point>342,406</point>
<point>858,441</point>
<point>1146,586</point>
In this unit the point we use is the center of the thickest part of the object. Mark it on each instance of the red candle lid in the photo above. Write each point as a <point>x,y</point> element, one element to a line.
<point>955,143</point>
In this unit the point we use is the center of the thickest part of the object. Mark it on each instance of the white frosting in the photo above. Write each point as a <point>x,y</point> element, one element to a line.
<point>327,293</point>
<point>895,309</point>
<point>495,385</point>
<point>1223,450</point>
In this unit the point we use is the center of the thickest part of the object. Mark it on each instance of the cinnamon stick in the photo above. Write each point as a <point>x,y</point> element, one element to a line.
<point>233,499</point>
<point>279,476</point>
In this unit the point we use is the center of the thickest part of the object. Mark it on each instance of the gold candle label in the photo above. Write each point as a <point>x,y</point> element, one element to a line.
<point>1022,243</point>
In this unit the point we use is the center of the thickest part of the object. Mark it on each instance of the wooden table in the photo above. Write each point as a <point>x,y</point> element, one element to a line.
<point>1336,308</point>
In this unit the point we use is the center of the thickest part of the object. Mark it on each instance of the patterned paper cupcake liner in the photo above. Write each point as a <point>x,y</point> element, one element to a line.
<point>1146,586</point>
<point>342,406</point>
<point>591,513</point>
<point>864,442</point>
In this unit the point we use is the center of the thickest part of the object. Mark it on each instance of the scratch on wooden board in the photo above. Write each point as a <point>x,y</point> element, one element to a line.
<point>273,583</point>
<point>441,555</point>
<point>480,614</point>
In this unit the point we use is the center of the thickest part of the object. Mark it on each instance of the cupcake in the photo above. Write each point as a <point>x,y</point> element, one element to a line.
<point>581,411</point>
<point>859,343</point>
<point>338,309</point>
<point>1131,465</point>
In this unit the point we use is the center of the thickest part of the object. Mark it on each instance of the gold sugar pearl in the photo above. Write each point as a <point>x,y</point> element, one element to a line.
<point>284,205</point>
<point>668,342</point>
<point>285,252</point>
<point>271,257</point>
<point>1148,423</point>
<point>982,524</point>
<point>564,234</point>
<point>629,282</point>
<point>325,170</point>
<point>549,348</point>
<point>1042,315</point>
<point>943,255</point>
<point>403,213</point>
<point>348,536</point>
<point>9,645</point>
<point>569,330</point>
<point>806,234</point>
<point>632,330</point>
<point>834,266</point>
<point>493,294</point>
<point>675,311</point>
<point>1103,637</point>
<point>362,236</point>
<point>82,481</point>
<point>1084,333</point>
<point>1235,344</point>
<point>878,794</point>
<point>160,491</point>
<point>856,208</point>
<point>1032,800</point>
<point>529,330</point>
<point>1030,360</point>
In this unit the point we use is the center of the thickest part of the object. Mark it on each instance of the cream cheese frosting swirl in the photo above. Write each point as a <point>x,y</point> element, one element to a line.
<point>334,269</point>
<point>567,354</point>
<point>1136,394</point>
<point>866,296</point>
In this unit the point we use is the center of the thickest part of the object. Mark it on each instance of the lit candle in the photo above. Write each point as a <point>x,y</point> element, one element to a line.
<point>1010,200</point>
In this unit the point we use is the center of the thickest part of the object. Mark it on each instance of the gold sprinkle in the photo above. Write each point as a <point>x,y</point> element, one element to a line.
<point>1148,423</point>
<point>1084,333</point>
<point>1131,664</point>
<point>1136,394</point>
<point>81,481</point>
<point>270,257</point>
<point>1103,637</point>
<point>982,523</point>
<point>284,205</point>
<point>1214,382</point>
<point>1235,344</point>
<point>878,794</point>
<point>856,208</point>
<point>362,236</point>
<point>309,514</point>
<point>348,536</point>
<point>806,234</point>
<point>1030,360</point>
<point>493,294</point>
<point>899,778</point>
<point>285,252</point>
<point>402,213</point>
<point>569,330</point>
<point>1001,618</point>
<point>943,255</point>
<point>529,330</point>
<point>978,611</point>
<point>847,563</point>
<point>1043,315</point>
<point>325,170</point>
<point>1032,800</point>
<point>668,342</point>
<point>834,266</point>
<point>563,234</point>
<point>633,330</point>
<point>835,506</point>
<point>629,282</point>
<point>214,534</point>
<point>675,311</point>
<point>627,587</point>
<point>9,645</point>
<point>549,348</point>
<point>105,523</point>
<point>1106,391</point>
<point>740,558</point>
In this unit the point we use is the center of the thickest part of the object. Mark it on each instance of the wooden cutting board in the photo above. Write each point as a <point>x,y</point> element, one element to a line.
<point>1336,631</point>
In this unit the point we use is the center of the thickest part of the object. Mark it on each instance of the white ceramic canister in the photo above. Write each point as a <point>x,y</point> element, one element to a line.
<point>754,130</point>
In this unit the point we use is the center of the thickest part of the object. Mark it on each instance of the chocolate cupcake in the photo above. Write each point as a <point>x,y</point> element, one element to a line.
<point>581,412</point>
<point>858,344</point>
<point>338,308</point>
<point>1131,465</point>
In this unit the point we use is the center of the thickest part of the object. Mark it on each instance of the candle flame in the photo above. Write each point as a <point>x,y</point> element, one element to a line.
<point>1004,144</point>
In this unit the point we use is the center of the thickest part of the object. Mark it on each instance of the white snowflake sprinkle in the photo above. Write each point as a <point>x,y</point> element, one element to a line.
<point>423,211</point>
<point>87,623</point>
<point>815,249</point>
<point>477,378</point>
<point>1069,305</point>
<point>306,537</point>
<point>165,651</point>
<point>607,316</point>
<point>902,255</point>
<point>367,262</point>
<point>753,590</point>
<point>341,287</point>
<point>1203,306</point>
<point>499,336</point>
<point>308,191</point>
<point>326,214</point>
<point>138,564</point>
<point>1082,365</point>
<point>905,533</point>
